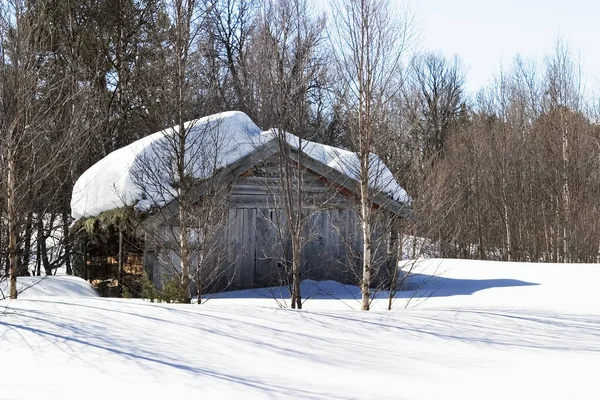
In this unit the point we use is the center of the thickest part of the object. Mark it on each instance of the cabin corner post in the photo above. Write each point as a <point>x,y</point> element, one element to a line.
<point>120,256</point>
<point>145,256</point>
<point>394,255</point>
<point>85,260</point>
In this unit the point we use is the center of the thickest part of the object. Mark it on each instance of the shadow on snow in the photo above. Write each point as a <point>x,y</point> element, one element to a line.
<point>418,285</point>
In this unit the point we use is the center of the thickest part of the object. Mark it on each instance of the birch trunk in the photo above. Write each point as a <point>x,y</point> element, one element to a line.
<point>565,192</point>
<point>366,232</point>
<point>12,222</point>
<point>183,20</point>
<point>296,294</point>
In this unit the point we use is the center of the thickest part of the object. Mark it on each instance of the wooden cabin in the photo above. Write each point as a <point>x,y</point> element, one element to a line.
<point>247,245</point>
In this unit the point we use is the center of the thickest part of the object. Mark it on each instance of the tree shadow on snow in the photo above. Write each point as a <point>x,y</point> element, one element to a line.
<point>81,341</point>
<point>418,285</point>
<point>423,285</point>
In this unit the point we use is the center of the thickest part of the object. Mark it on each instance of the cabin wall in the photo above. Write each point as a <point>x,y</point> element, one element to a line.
<point>258,247</point>
<point>255,244</point>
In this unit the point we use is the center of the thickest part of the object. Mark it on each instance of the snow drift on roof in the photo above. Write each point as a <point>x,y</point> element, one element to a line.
<point>212,143</point>
<point>117,179</point>
<point>347,162</point>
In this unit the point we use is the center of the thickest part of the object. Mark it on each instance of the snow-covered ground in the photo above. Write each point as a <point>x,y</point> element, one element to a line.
<point>472,330</point>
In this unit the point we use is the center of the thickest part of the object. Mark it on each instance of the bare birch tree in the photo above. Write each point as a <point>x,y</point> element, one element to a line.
<point>288,63</point>
<point>563,95</point>
<point>369,39</point>
<point>185,25</point>
<point>156,177</point>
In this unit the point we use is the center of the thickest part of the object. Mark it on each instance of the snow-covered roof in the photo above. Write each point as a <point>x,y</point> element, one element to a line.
<point>142,174</point>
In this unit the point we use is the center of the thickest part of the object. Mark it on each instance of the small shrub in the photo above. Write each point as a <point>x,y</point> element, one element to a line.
<point>172,291</point>
<point>149,291</point>
<point>125,293</point>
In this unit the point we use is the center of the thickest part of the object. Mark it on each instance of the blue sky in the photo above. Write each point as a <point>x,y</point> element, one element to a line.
<point>486,34</point>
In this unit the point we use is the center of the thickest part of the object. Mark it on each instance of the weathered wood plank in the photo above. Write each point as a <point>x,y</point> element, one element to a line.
<point>266,273</point>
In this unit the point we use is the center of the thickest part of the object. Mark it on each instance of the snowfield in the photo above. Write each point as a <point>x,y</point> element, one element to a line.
<point>464,330</point>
